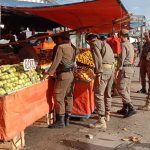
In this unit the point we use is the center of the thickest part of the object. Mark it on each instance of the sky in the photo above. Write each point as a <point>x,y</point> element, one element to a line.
<point>137,7</point>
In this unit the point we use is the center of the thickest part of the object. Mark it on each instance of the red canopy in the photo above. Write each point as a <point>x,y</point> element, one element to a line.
<point>98,14</point>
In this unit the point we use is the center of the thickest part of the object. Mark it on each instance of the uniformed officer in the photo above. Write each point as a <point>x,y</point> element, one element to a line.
<point>63,65</point>
<point>145,58</point>
<point>125,73</point>
<point>104,69</point>
<point>143,63</point>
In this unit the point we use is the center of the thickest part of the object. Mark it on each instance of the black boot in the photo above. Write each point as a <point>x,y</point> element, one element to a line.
<point>131,110</point>
<point>143,90</point>
<point>124,110</point>
<point>59,122</point>
<point>67,117</point>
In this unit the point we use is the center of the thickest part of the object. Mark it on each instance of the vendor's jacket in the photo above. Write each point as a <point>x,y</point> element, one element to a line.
<point>145,51</point>
<point>102,54</point>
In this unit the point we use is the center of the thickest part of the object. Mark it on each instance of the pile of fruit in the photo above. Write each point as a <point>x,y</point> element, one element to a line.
<point>85,57</point>
<point>44,61</point>
<point>44,56</point>
<point>45,64</point>
<point>84,74</point>
<point>13,77</point>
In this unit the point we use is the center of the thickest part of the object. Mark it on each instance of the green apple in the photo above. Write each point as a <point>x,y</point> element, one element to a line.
<point>2,91</point>
<point>1,83</point>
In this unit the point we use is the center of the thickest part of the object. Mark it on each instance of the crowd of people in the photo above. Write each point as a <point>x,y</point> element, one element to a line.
<point>105,75</point>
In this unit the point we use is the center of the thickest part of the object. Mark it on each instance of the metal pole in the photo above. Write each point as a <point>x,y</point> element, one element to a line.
<point>78,40</point>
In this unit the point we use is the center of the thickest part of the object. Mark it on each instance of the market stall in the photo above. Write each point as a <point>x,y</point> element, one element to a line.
<point>25,98</point>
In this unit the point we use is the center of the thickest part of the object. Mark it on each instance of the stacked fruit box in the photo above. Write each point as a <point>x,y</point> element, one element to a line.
<point>84,71</point>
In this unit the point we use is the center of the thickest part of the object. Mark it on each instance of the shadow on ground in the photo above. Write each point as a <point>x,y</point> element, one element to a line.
<point>79,145</point>
<point>132,146</point>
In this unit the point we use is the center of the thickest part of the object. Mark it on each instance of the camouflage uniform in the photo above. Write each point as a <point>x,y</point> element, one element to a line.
<point>63,64</point>
<point>64,80</point>
<point>126,71</point>
<point>104,66</point>
<point>103,92</point>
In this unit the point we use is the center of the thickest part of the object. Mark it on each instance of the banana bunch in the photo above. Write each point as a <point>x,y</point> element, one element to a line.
<point>85,74</point>
<point>85,57</point>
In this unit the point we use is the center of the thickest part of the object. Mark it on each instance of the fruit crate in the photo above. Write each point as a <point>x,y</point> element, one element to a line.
<point>46,120</point>
<point>84,81</point>
<point>16,143</point>
<point>84,74</point>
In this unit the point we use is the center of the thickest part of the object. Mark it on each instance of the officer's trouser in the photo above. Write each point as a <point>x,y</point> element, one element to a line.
<point>63,95</point>
<point>102,93</point>
<point>124,84</point>
<point>143,72</point>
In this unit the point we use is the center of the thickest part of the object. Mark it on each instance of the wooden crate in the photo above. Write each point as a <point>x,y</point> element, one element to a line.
<point>46,120</point>
<point>16,143</point>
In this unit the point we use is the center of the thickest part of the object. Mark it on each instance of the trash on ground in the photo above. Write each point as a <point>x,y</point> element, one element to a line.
<point>89,136</point>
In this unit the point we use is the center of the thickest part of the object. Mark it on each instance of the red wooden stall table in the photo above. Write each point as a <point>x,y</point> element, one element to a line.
<point>22,108</point>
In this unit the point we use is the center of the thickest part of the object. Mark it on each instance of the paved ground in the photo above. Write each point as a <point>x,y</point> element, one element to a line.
<point>75,136</point>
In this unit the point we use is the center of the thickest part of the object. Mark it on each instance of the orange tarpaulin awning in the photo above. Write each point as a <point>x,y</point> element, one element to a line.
<point>99,14</point>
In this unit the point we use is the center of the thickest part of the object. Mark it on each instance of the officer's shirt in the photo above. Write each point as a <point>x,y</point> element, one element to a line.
<point>127,54</point>
<point>64,54</point>
<point>102,54</point>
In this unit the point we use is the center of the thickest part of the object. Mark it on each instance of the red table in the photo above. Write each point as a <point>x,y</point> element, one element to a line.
<point>22,108</point>
<point>83,104</point>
